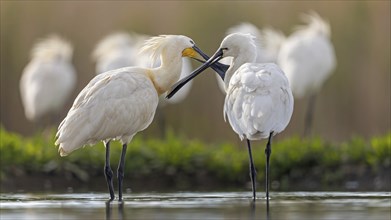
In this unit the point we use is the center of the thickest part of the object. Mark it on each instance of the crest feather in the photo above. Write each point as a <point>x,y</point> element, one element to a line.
<point>154,47</point>
<point>51,47</point>
<point>314,22</point>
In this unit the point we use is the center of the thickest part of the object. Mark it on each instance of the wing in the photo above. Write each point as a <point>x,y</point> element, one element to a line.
<point>257,102</point>
<point>114,105</point>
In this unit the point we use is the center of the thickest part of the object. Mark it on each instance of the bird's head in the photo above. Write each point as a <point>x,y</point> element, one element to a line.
<point>233,45</point>
<point>171,44</point>
<point>237,44</point>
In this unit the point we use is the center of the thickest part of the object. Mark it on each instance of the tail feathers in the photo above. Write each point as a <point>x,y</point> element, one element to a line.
<point>72,134</point>
<point>62,152</point>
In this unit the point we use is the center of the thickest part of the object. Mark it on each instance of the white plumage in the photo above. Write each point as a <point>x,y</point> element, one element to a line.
<point>267,41</point>
<point>307,56</point>
<point>258,102</point>
<point>117,104</point>
<point>49,78</point>
<point>122,49</point>
<point>114,105</point>
<point>118,50</point>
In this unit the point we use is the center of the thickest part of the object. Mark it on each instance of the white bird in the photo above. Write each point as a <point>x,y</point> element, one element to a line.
<point>268,42</point>
<point>48,79</point>
<point>118,104</point>
<point>122,49</point>
<point>258,102</point>
<point>307,57</point>
<point>117,50</point>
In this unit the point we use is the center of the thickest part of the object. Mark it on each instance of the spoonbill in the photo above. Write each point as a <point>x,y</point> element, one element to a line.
<point>258,102</point>
<point>307,57</point>
<point>268,42</point>
<point>122,49</point>
<point>117,104</point>
<point>48,79</point>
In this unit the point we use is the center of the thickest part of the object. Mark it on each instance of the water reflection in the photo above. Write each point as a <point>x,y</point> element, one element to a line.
<point>205,205</point>
<point>252,210</point>
<point>253,206</point>
<point>109,212</point>
<point>267,210</point>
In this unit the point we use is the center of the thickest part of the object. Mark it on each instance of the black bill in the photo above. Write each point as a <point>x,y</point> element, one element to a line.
<point>209,63</point>
<point>218,67</point>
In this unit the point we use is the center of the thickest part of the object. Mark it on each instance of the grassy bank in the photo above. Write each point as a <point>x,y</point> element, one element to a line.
<point>180,163</point>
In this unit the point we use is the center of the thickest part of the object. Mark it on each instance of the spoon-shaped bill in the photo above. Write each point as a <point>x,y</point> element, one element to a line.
<point>177,86</point>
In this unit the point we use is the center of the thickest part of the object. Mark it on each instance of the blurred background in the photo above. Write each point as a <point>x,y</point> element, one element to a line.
<point>354,101</point>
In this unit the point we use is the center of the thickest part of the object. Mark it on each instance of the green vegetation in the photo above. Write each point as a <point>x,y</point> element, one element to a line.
<point>306,164</point>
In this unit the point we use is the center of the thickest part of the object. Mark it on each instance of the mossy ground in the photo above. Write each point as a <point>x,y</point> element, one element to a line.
<point>185,164</point>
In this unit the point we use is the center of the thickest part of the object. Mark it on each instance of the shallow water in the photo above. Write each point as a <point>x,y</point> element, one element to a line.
<point>198,205</point>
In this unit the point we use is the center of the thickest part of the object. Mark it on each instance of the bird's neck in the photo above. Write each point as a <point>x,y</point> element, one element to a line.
<point>167,74</point>
<point>235,64</point>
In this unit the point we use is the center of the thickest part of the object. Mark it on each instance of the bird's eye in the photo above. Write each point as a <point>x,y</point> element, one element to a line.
<point>192,42</point>
<point>225,48</point>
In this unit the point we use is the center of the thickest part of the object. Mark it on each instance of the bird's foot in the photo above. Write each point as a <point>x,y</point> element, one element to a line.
<point>110,200</point>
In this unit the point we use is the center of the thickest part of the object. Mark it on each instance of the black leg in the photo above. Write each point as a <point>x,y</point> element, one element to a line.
<point>253,172</point>
<point>309,115</point>
<point>268,152</point>
<point>109,172</point>
<point>120,171</point>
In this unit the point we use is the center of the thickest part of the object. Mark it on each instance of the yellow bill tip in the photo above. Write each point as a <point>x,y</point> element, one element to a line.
<point>190,52</point>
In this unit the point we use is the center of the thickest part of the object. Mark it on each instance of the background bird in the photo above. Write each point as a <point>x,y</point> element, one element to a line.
<point>117,104</point>
<point>268,40</point>
<point>258,102</point>
<point>122,49</point>
<point>48,79</point>
<point>307,57</point>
